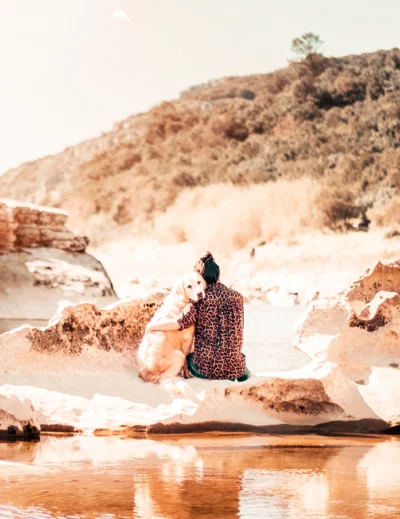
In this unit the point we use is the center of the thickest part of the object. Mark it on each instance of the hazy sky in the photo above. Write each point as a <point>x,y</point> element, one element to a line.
<point>71,68</point>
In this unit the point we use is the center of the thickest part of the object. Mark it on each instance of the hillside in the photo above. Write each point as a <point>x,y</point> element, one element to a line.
<point>335,120</point>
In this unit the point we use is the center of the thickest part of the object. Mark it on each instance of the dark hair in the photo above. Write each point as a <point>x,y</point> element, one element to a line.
<point>207,267</point>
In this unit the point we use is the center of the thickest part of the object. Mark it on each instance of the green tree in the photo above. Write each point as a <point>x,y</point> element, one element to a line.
<point>308,44</point>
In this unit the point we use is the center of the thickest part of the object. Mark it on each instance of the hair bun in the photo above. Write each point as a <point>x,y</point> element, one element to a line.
<point>207,267</point>
<point>207,258</point>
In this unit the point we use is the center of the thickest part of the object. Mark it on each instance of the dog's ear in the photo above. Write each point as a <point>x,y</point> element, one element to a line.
<point>179,288</point>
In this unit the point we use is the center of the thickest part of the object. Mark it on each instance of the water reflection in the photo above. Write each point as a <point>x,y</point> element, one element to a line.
<point>200,477</point>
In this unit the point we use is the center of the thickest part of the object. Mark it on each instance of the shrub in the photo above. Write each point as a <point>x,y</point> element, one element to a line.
<point>231,128</point>
<point>248,94</point>
<point>337,207</point>
<point>306,45</point>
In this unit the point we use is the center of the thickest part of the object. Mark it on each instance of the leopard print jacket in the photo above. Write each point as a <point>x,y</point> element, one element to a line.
<point>218,342</point>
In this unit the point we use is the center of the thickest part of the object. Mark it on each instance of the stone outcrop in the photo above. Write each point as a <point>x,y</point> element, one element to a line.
<point>29,226</point>
<point>378,278</point>
<point>119,327</point>
<point>7,227</point>
<point>359,338</point>
<point>18,419</point>
<point>80,373</point>
<point>42,261</point>
<point>84,350</point>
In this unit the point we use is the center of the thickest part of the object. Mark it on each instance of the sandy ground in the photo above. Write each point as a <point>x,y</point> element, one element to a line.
<point>281,272</point>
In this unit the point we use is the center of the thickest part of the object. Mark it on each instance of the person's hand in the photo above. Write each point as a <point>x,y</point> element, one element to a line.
<point>149,328</point>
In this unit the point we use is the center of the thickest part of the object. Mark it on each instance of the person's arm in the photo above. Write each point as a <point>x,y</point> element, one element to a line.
<point>185,320</point>
<point>188,318</point>
<point>163,326</point>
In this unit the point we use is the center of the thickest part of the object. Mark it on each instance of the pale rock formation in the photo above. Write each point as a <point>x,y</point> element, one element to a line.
<point>18,419</point>
<point>80,373</point>
<point>29,226</point>
<point>379,277</point>
<point>83,351</point>
<point>119,327</point>
<point>7,227</point>
<point>360,338</point>
<point>42,261</point>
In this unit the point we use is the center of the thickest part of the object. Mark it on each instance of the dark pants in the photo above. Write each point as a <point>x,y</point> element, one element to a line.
<point>194,370</point>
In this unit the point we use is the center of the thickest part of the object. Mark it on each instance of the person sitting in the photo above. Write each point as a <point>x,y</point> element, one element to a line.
<point>218,321</point>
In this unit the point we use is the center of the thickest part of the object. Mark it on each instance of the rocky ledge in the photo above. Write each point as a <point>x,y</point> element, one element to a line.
<point>17,420</point>
<point>79,373</point>
<point>28,226</point>
<point>43,261</point>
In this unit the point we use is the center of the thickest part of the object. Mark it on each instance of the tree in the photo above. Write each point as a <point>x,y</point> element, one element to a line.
<point>308,44</point>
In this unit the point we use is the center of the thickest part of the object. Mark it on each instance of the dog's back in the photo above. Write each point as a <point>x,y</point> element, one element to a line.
<point>170,309</point>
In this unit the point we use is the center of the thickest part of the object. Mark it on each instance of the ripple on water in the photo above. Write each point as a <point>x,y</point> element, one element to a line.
<point>89,477</point>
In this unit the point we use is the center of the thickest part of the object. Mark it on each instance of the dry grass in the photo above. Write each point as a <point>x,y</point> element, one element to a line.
<point>335,120</point>
<point>225,217</point>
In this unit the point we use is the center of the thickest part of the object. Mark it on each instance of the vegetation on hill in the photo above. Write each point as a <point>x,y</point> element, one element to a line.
<point>333,121</point>
<point>307,44</point>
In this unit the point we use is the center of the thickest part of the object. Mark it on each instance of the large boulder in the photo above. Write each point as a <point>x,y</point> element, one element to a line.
<point>379,277</point>
<point>28,226</point>
<point>118,327</point>
<point>80,374</point>
<point>18,420</point>
<point>65,368</point>
<point>360,337</point>
<point>41,260</point>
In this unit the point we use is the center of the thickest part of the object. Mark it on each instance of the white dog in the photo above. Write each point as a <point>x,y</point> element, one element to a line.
<point>163,353</point>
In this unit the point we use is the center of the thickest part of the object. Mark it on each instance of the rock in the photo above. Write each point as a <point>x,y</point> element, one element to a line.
<point>323,320</point>
<point>119,327</point>
<point>302,397</point>
<point>85,357</point>
<point>18,419</point>
<point>81,330</point>
<point>354,342</point>
<point>7,227</point>
<point>377,278</point>
<point>360,336</point>
<point>80,373</point>
<point>41,260</point>
<point>28,226</point>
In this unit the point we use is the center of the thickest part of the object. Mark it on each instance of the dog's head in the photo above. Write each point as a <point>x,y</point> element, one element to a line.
<point>190,287</point>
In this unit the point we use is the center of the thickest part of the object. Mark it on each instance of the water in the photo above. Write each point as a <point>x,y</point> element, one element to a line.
<point>207,476</point>
<point>196,477</point>
<point>268,332</point>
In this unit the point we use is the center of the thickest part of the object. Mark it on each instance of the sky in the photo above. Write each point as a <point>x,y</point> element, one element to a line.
<point>71,68</point>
